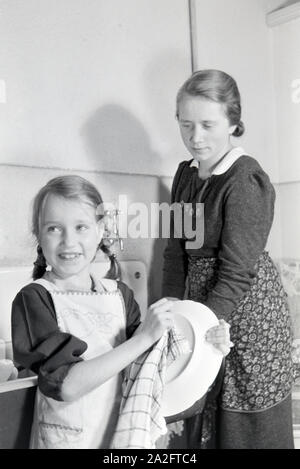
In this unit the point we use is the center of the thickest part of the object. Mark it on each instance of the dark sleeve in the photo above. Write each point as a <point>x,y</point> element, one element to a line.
<point>132,309</point>
<point>175,257</point>
<point>248,217</point>
<point>38,344</point>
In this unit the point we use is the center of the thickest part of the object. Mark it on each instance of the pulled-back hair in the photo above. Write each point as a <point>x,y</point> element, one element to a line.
<point>219,87</point>
<point>75,188</point>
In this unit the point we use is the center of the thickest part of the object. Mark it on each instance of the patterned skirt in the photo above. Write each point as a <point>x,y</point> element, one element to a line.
<point>258,371</point>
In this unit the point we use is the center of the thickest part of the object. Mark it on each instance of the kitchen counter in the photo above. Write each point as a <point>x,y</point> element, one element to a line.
<point>20,383</point>
<point>16,411</point>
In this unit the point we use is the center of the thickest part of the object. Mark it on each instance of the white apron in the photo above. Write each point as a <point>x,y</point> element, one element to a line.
<point>99,319</point>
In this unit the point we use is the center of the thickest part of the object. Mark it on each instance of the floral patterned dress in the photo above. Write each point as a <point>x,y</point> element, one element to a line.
<point>258,370</point>
<point>232,274</point>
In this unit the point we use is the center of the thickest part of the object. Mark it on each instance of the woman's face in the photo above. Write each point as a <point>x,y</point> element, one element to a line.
<point>205,129</point>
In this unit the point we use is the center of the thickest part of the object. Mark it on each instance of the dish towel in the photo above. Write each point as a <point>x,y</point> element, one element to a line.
<point>141,421</point>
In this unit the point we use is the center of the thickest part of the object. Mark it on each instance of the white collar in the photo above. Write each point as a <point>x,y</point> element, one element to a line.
<point>226,162</point>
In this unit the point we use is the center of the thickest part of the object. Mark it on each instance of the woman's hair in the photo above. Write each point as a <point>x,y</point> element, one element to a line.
<point>217,86</point>
<point>74,188</point>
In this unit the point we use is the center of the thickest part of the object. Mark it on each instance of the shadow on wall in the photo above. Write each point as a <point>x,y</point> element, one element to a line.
<point>163,77</point>
<point>112,136</point>
<point>113,133</point>
<point>156,264</point>
<point>287,3</point>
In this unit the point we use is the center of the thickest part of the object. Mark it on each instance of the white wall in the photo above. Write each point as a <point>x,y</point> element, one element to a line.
<point>286,44</point>
<point>286,55</point>
<point>91,84</point>
<point>233,36</point>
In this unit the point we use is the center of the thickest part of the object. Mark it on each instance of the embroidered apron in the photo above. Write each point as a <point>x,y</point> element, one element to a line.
<point>99,319</point>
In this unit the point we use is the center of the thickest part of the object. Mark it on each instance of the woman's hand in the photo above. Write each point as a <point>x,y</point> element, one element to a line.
<point>219,337</point>
<point>157,320</point>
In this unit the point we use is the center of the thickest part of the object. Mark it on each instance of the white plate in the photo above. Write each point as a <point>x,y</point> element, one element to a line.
<point>190,376</point>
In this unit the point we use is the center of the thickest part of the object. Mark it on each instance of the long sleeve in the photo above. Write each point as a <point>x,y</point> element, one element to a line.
<point>38,344</point>
<point>248,215</point>
<point>175,257</point>
<point>133,314</point>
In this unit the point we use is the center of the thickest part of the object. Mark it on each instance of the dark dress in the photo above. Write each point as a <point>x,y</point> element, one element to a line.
<point>39,344</point>
<point>233,275</point>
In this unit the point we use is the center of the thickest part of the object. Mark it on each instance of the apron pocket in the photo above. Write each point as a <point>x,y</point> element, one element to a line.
<point>55,436</point>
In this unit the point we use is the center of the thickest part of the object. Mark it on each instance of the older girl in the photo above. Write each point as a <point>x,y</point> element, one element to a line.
<point>231,272</point>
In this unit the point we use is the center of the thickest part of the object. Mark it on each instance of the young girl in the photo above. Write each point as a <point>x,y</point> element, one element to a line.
<point>75,331</point>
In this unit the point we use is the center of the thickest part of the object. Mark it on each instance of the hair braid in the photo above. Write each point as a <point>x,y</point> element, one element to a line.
<point>40,264</point>
<point>114,271</point>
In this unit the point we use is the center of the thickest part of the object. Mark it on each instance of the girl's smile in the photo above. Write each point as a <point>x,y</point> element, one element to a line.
<point>69,257</point>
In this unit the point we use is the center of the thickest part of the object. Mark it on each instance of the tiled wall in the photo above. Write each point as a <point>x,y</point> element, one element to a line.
<point>20,184</point>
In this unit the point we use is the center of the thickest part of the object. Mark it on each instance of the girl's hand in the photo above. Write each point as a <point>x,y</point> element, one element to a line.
<point>157,320</point>
<point>219,337</point>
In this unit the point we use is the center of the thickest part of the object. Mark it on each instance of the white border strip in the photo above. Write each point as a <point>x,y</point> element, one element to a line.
<point>17,384</point>
<point>283,15</point>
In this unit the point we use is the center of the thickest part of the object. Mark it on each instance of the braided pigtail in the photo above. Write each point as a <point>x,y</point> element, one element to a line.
<point>40,264</point>
<point>240,130</point>
<point>114,271</point>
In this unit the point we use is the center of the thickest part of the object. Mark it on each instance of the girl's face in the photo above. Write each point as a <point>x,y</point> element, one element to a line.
<point>205,129</point>
<point>69,236</point>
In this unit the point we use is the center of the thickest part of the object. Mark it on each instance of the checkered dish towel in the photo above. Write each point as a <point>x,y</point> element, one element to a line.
<point>141,421</point>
